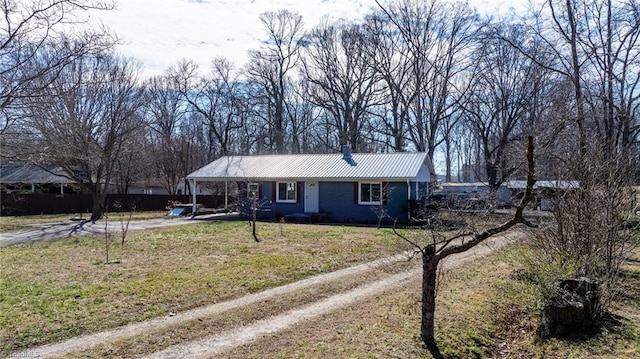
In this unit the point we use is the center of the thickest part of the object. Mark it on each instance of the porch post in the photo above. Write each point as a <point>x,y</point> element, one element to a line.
<point>408,200</point>
<point>61,189</point>
<point>226,194</point>
<point>193,193</point>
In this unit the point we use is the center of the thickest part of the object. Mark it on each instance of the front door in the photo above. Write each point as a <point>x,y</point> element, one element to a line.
<point>311,197</point>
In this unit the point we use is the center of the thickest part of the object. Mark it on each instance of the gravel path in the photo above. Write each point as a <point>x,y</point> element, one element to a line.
<point>54,231</point>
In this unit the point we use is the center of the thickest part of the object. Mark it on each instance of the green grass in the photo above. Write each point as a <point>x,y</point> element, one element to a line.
<point>57,290</point>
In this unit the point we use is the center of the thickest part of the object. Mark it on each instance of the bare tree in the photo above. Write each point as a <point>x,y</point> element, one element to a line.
<point>341,81</point>
<point>165,109</point>
<point>87,116</point>
<point>130,166</point>
<point>124,215</point>
<point>215,100</point>
<point>270,68</point>
<point>592,45</point>
<point>192,145</point>
<point>301,115</point>
<point>613,44</point>
<point>437,39</point>
<point>501,107</point>
<point>590,235</point>
<point>441,246</point>
<point>557,26</point>
<point>30,27</point>
<point>384,45</point>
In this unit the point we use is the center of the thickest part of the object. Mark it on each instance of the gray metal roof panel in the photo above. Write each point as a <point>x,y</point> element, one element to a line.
<point>32,174</point>
<point>400,166</point>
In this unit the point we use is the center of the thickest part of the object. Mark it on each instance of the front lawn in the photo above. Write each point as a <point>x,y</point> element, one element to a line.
<point>57,290</point>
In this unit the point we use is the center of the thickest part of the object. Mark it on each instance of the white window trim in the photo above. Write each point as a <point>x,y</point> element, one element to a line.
<point>257,187</point>
<point>369,203</point>
<point>278,200</point>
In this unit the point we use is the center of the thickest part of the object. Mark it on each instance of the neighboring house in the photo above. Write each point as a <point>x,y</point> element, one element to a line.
<point>337,187</point>
<point>476,190</point>
<point>31,178</point>
<point>146,187</point>
<point>156,186</point>
<point>545,191</point>
<point>22,177</point>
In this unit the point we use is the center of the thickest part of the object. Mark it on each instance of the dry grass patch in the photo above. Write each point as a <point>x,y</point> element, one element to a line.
<point>482,313</point>
<point>156,340</point>
<point>56,290</point>
<point>387,325</point>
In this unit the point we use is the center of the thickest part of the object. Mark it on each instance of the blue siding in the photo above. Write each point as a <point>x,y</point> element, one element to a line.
<point>272,209</point>
<point>338,203</point>
<point>397,202</point>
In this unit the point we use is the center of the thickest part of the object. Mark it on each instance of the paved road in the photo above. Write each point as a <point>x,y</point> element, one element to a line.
<point>53,231</point>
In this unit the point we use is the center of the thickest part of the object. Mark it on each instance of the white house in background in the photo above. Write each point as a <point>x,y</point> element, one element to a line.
<point>156,187</point>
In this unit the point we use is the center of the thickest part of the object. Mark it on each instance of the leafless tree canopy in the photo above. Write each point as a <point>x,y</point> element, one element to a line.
<point>30,28</point>
<point>414,75</point>
<point>85,119</point>
<point>431,76</point>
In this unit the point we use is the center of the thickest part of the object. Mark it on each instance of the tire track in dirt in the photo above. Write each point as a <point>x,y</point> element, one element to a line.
<point>87,341</point>
<point>217,344</point>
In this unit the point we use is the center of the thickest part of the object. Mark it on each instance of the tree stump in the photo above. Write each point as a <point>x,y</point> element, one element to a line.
<point>573,311</point>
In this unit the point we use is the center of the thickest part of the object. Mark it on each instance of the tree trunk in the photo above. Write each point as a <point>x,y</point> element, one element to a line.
<point>492,174</point>
<point>447,158</point>
<point>98,207</point>
<point>429,282</point>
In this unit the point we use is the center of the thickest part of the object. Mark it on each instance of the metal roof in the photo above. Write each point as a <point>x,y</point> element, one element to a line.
<point>558,184</point>
<point>32,174</point>
<point>400,166</point>
<point>515,184</point>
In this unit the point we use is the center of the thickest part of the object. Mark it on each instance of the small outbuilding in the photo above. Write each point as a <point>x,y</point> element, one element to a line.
<point>353,188</point>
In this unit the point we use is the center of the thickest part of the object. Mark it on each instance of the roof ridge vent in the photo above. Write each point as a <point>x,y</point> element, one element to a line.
<point>346,155</point>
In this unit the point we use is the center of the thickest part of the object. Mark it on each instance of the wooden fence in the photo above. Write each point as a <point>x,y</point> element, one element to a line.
<point>31,204</point>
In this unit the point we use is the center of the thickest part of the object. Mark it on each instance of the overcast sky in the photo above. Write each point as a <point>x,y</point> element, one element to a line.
<point>158,33</point>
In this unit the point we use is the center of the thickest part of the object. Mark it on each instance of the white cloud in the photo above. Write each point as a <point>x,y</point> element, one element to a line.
<point>160,32</point>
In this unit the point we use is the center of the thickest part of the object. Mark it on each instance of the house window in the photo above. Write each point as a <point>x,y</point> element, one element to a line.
<point>253,190</point>
<point>370,192</point>
<point>287,192</point>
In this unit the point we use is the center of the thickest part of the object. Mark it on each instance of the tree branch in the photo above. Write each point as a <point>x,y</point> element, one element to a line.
<point>517,217</point>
